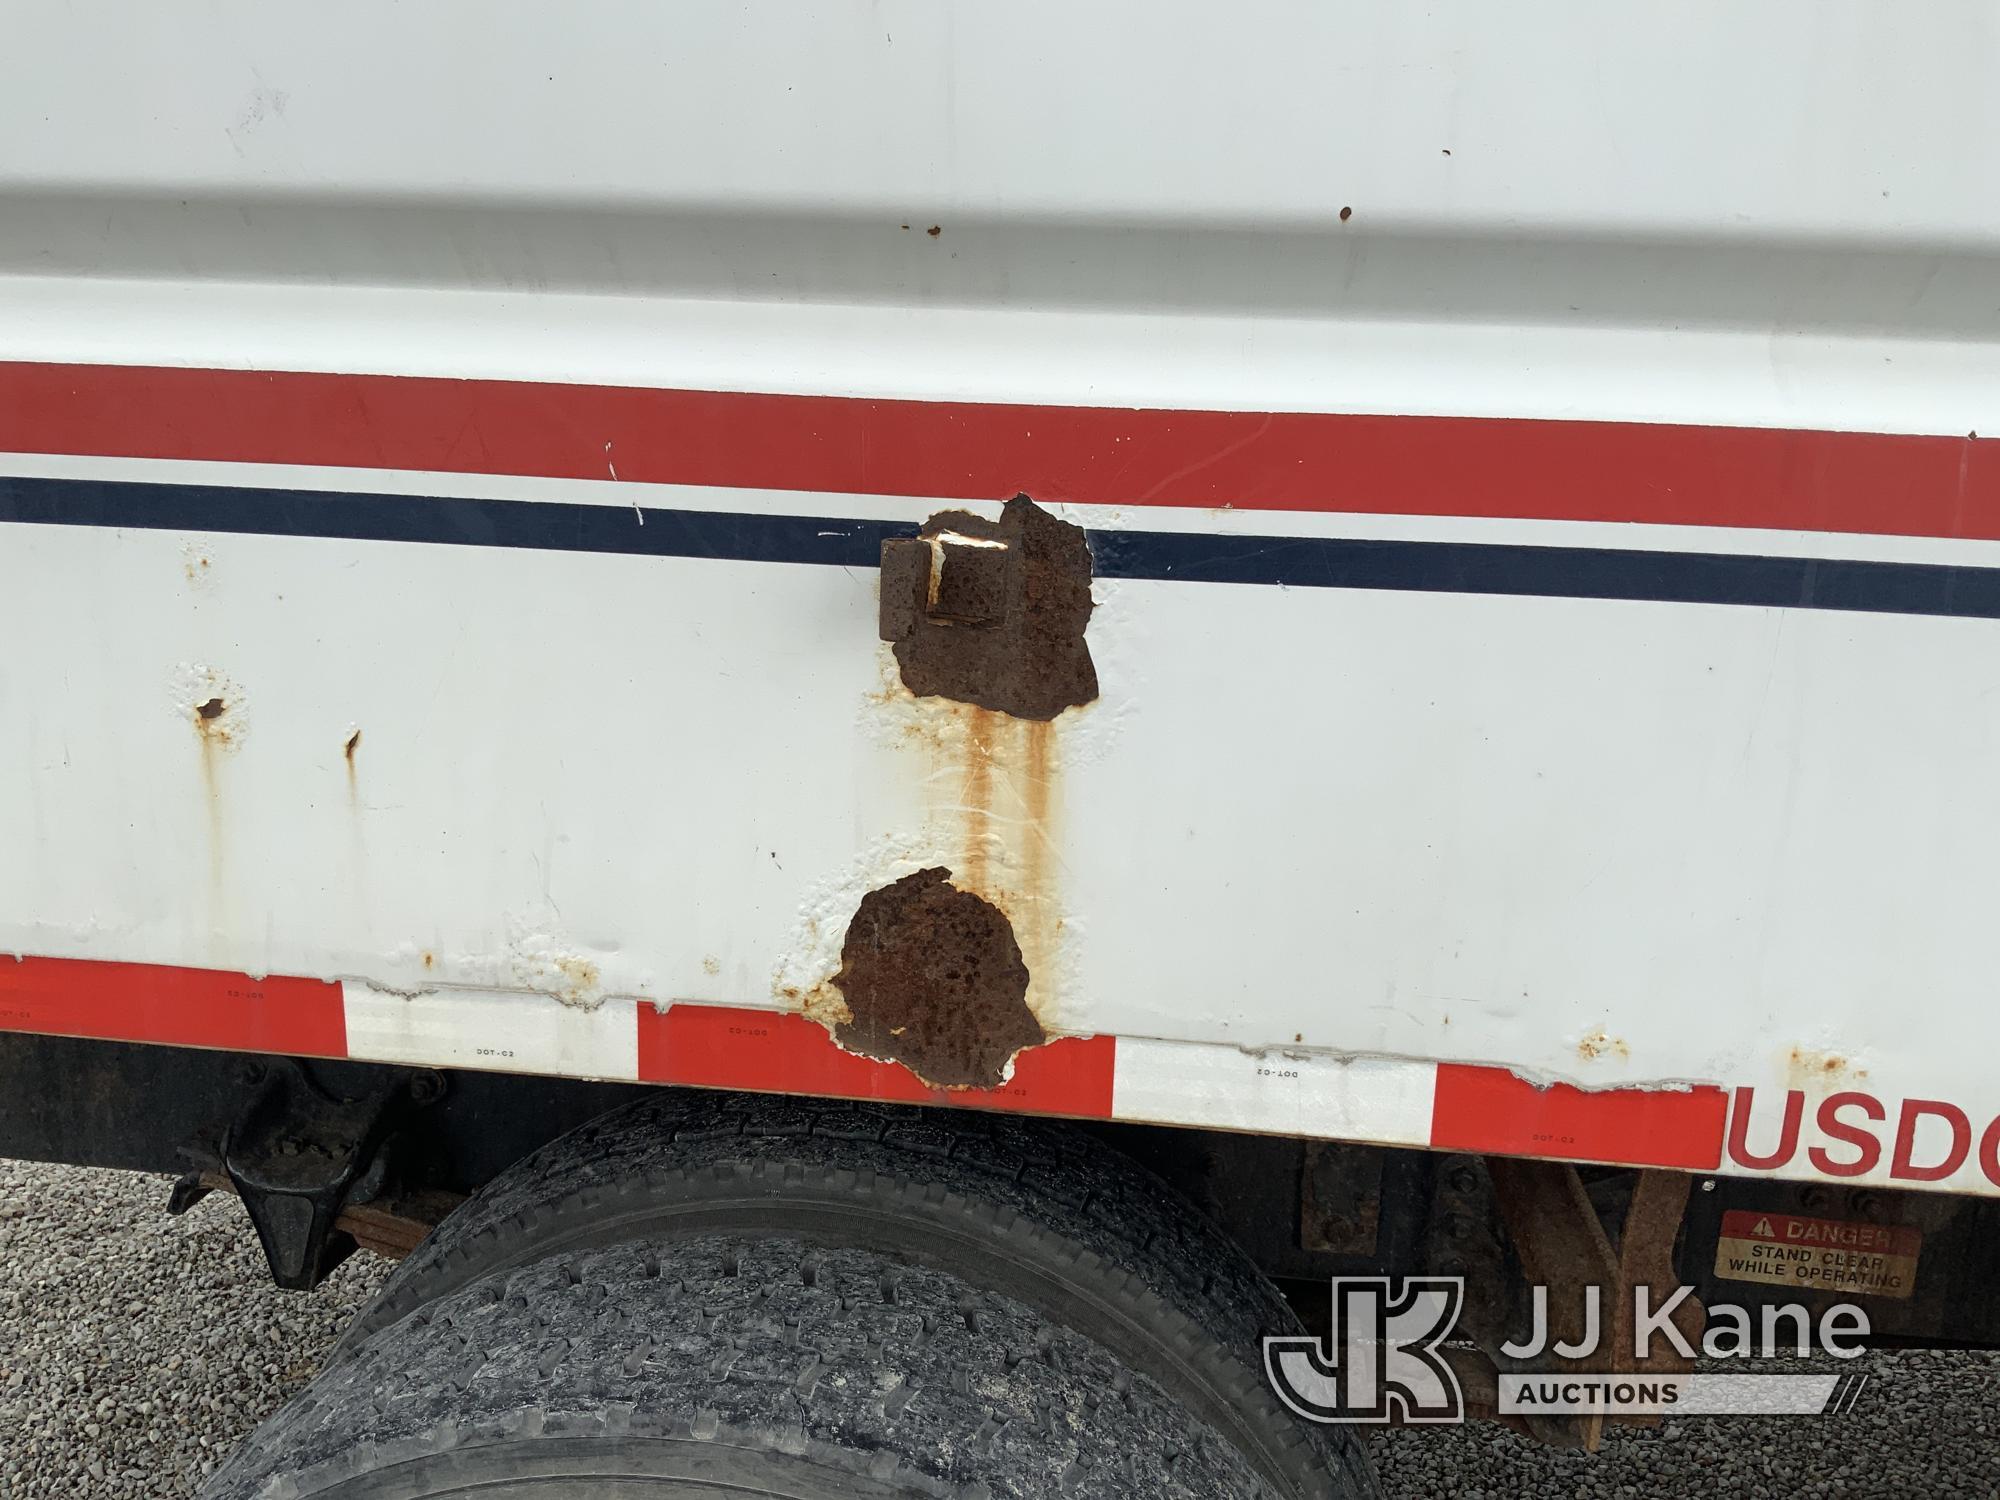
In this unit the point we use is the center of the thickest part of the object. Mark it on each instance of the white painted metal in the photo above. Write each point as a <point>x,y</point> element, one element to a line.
<point>1432,827</point>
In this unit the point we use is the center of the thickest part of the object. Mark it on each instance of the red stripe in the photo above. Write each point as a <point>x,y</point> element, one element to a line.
<point>1492,1110</point>
<point>1582,471</point>
<point>180,1007</point>
<point>724,1047</point>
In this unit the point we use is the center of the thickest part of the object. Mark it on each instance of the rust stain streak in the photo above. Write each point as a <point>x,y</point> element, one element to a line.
<point>996,800</point>
<point>217,710</point>
<point>214,734</point>
<point>212,799</point>
<point>1807,1068</point>
<point>1022,758</point>
<point>997,797</point>
<point>954,969</point>
<point>1041,921</point>
<point>976,798</point>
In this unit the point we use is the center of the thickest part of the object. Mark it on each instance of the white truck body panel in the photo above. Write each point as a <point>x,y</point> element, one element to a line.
<point>1636,843</point>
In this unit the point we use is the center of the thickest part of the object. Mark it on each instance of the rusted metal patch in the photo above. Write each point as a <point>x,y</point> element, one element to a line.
<point>933,979</point>
<point>992,613</point>
<point>952,970</point>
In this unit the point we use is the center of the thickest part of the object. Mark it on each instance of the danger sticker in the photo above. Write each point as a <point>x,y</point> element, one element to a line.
<point>1818,1255</point>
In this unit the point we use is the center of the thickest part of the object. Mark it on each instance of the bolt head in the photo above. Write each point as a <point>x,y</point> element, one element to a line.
<point>426,1088</point>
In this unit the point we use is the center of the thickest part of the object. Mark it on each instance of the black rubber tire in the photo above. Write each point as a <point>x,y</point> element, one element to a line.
<point>726,1366</point>
<point>1036,1210</point>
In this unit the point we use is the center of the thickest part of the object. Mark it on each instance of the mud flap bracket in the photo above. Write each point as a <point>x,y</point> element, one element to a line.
<point>298,1156</point>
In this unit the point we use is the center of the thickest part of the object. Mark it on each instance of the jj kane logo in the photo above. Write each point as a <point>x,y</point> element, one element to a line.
<point>1382,1363</point>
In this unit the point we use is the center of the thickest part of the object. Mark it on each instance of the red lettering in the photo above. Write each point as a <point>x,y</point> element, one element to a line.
<point>1788,1134</point>
<point>1864,1143</point>
<point>1906,1137</point>
<point>1989,1152</point>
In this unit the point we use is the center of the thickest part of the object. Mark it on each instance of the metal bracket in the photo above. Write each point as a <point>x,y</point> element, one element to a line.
<point>992,613</point>
<point>298,1156</point>
<point>1562,1244</point>
<point>1341,1198</point>
<point>951,578</point>
<point>1505,1224</point>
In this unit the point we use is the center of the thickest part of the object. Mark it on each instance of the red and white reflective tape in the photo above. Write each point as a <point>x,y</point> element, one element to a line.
<point>1448,1106</point>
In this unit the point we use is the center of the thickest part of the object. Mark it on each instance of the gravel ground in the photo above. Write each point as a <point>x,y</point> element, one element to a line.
<point>135,1349</point>
<point>1926,1424</point>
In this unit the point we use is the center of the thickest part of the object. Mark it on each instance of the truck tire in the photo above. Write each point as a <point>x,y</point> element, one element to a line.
<point>727,1366</point>
<point>1036,1210</point>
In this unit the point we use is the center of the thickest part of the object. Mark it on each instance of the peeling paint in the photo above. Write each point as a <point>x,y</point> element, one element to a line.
<point>802,978</point>
<point>538,959</point>
<point>530,952</point>
<point>1601,1044</point>
<point>1539,1078</point>
<point>195,565</point>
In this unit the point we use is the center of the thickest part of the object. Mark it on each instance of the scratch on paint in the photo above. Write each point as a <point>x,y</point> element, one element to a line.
<point>608,464</point>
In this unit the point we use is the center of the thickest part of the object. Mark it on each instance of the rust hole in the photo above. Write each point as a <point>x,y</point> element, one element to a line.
<point>933,979</point>
<point>1003,625</point>
<point>353,744</point>
<point>214,708</point>
<point>935,230</point>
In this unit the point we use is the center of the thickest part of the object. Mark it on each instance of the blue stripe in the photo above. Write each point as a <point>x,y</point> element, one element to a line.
<point>1201,557</point>
<point>1553,572</point>
<point>552,527</point>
